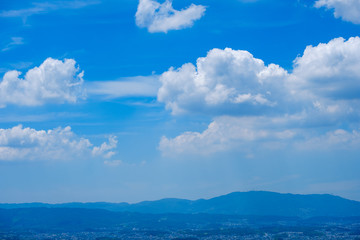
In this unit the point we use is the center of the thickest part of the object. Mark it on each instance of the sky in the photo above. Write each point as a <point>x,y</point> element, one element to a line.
<point>126,101</point>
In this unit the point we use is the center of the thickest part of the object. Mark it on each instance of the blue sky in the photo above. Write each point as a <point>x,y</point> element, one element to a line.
<point>131,100</point>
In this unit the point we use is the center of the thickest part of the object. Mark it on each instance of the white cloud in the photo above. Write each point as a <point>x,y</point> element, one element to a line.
<point>15,41</point>
<point>139,86</point>
<point>325,78</point>
<point>225,81</point>
<point>247,134</point>
<point>318,103</point>
<point>28,144</point>
<point>348,10</point>
<point>226,133</point>
<point>163,17</point>
<point>114,163</point>
<point>104,149</point>
<point>330,70</point>
<point>336,139</point>
<point>44,7</point>
<point>54,81</point>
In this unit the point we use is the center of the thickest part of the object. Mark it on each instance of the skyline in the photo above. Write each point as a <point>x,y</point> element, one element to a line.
<point>126,101</point>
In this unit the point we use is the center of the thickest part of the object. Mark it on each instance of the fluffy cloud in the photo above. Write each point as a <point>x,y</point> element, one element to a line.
<point>348,10</point>
<point>247,134</point>
<point>227,81</point>
<point>328,77</point>
<point>268,104</point>
<point>28,144</point>
<point>54,81</point>
<point>163,17</point>
<point>105,148</point>
<point>330,70</point>
<point>225,133</point>
<point>325,78</point>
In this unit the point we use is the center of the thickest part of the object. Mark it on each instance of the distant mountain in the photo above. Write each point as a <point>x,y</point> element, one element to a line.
<point>255,203</point>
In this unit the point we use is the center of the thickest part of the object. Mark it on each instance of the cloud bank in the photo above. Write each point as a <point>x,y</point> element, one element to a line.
<point>348,10</point>
<point>54,81</point>
<point>157,17</point>
<point>318,102</point>
<point>28,144</point>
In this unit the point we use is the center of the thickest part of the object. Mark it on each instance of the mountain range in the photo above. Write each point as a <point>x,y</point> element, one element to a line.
<point>254,203</point>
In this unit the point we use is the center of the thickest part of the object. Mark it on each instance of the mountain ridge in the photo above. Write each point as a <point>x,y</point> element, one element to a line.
<point>259,203</point>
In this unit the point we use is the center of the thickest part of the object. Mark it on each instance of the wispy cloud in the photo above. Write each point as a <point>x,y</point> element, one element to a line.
<point>140,86</point>
<point>113,163</point>
<point>24,117</point>
<point>44,7</point>
<point>15,41</point>
<point>248,1</point>
<point>21,65</point>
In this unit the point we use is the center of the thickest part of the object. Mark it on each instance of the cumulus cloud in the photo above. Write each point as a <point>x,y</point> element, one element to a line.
<point>157,17</point>
<point>227,81</point>
<point>330,70</point>
<point>28,144</point>
<point>328,76</point>
<point>247,134</point>
<point>225,133</point>
<point>348,10</point>
<point>267,104</point>
<point>54,81</point>
<point>105,148</point>
<point>325,77</point>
